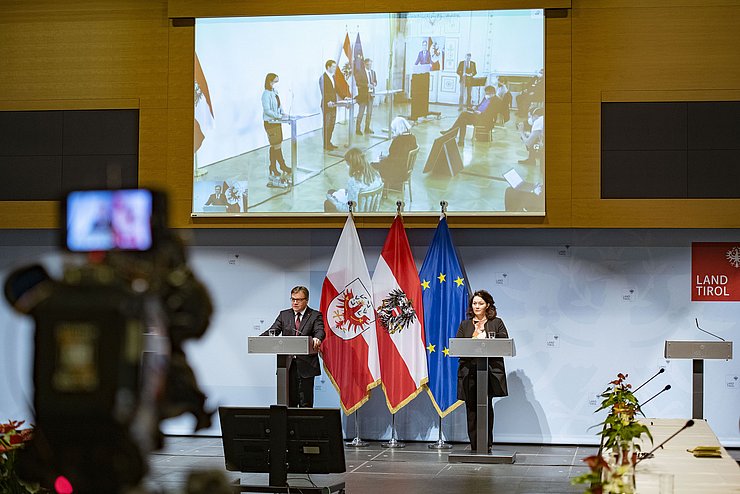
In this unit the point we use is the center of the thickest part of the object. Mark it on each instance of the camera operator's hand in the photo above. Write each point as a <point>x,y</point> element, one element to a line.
<point>316,343</point>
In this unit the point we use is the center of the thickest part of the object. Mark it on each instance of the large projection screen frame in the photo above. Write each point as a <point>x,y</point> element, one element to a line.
<point>233,153</point>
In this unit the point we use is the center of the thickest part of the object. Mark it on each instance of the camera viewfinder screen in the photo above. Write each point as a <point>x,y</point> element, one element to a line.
<point>103,220</point>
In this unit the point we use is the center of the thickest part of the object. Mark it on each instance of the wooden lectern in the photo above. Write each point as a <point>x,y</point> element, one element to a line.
<point>698,351</point>
<point>481,350</point>
<point>285,347</point>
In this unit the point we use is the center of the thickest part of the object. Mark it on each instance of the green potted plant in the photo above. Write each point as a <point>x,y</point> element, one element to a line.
<point>612,468</point>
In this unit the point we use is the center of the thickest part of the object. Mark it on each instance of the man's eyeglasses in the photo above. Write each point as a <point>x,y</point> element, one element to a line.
<point>292,299</point>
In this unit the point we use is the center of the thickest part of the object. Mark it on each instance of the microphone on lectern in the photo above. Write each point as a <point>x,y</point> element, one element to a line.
<point>707,332</point>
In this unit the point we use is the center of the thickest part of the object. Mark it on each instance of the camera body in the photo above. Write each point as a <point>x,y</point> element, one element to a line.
<point>99,394</point>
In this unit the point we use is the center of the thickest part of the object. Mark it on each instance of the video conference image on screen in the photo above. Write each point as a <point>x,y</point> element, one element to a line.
<point>303,114</point>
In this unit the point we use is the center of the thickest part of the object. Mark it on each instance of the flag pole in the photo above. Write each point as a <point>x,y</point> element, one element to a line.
<point>440,444</point>
<point>393,443</point>
<point>357,442</point>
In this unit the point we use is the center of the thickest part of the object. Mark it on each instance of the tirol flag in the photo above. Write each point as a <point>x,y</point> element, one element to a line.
<point>350,349</point>
<point>203,107</point>
<point>344,69</point>
<point>445,295</point>
<point>399,316</point>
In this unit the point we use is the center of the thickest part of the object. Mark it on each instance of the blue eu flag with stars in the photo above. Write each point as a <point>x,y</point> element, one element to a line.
<point>445,297</point>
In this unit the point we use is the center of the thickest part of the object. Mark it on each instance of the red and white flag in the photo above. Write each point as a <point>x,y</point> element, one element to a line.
<point>343,76</point>
<point>350,350</point>
<point>399,317</point>
<point>203,107</point>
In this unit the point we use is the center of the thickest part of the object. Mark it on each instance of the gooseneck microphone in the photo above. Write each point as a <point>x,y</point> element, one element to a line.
<point>707,332</point>
<point>667,387</point>
<point>662,370</point>
<point>689,423</point>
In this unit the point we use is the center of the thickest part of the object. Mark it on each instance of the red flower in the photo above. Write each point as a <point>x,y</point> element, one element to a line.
<point>21,436</point>
<point>10,426</point>
<point>596,462</point>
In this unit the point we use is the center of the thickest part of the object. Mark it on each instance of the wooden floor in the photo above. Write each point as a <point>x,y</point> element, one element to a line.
<point>411,470</point>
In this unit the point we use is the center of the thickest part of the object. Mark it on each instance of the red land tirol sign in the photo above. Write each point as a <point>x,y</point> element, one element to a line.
<point>715,271</point>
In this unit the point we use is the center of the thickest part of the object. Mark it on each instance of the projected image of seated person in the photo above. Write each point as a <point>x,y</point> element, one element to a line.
<point>484,115</point>
<point>533,138</point>
<point>362,178</point>
<point>393,167</point>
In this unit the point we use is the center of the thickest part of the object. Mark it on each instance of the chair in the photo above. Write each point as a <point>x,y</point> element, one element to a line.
<point>483,133</point>
<point>410,163</point>
<point>409,170</point>
<point>368,201</point>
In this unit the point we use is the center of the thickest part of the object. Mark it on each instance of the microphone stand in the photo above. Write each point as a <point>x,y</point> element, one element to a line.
<point>667,387</point>
<point>688,424</point>
<point>707,332</point>
<point>662,370</point>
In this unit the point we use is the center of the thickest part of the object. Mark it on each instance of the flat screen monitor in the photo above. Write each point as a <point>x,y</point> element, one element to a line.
<point>314,441</point>
<point>267,141</point>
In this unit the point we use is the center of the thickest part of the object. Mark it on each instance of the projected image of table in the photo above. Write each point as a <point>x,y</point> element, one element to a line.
<point>293,121</point>
<point>390,93</point>
<point>285,347</point>
<point>481,351</point>
<point>350,104</point>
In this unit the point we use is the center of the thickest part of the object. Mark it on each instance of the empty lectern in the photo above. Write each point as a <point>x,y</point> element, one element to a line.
<point>481,350</point>
<point>698,351</point>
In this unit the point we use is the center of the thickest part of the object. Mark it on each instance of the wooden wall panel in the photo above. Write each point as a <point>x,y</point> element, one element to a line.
<point>669,50</point>
<point>82,54</point>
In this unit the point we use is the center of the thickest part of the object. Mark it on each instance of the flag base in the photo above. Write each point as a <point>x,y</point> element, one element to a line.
<point>357,443</point>
<point>440,444</point>
<point>393,443</point>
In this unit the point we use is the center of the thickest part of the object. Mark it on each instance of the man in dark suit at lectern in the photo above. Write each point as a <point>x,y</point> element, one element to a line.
<point>300,320</point>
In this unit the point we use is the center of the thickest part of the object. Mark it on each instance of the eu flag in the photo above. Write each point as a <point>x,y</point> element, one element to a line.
<point>445,299</point>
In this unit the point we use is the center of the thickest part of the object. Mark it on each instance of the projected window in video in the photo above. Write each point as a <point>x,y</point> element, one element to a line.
<point>302,114</point>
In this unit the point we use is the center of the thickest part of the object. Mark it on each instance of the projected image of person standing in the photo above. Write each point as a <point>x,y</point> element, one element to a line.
<point>272,113</point>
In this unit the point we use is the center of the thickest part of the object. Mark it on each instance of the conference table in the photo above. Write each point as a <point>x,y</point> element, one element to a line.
<point>690,475</point>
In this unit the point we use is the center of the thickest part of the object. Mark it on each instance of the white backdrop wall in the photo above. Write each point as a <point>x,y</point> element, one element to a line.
<point>604,307</point>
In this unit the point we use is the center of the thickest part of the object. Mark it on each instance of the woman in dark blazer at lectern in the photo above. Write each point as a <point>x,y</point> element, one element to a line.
<point>482,322</point>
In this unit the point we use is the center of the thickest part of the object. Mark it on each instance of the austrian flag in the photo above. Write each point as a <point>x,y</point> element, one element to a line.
<point>399,318</point>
